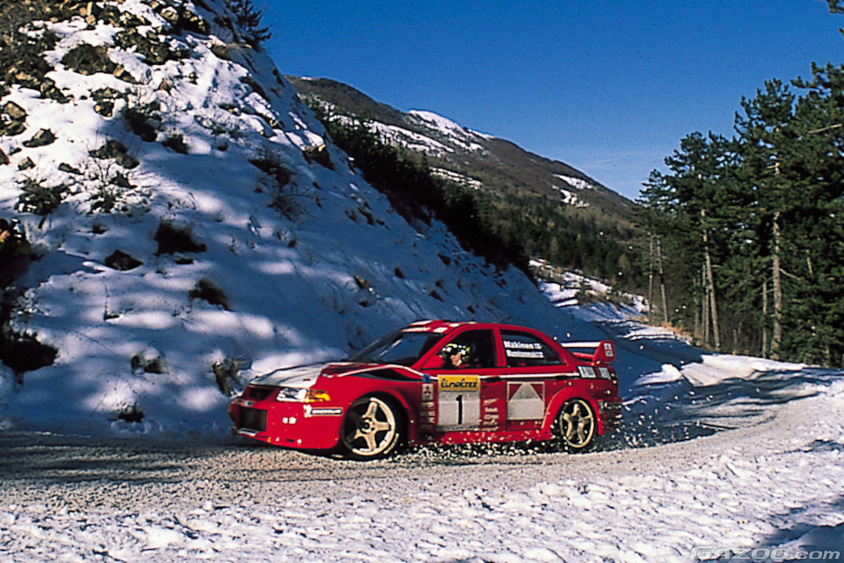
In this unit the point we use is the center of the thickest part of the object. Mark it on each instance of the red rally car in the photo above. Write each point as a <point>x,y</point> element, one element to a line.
<point>438,382</point>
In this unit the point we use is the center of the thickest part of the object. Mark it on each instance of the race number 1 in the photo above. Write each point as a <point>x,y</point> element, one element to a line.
<point>458,402</point>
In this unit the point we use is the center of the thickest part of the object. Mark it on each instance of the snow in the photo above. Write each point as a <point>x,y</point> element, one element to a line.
<point>455,135</point>
<point>569,197</point>
<point>457,178</point>
<point>771,487</point>
<point>446,126</point>
<point>576,183</point>
<point>716,453</point>
<point>717,369</point>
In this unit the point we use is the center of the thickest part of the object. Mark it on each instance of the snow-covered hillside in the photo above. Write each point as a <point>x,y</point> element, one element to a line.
<point>187,224</point>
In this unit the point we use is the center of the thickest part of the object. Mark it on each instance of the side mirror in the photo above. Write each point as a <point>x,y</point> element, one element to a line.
<point>434,362</point>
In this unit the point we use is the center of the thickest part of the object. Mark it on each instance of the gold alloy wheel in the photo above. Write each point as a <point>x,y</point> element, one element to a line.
<point>371,428</point>
<point>576,423</point>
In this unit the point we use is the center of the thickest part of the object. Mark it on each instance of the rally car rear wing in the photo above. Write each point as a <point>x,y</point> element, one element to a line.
<point>602,352</point>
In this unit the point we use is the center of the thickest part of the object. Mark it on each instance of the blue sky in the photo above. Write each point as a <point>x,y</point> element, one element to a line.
<point>607,86</point>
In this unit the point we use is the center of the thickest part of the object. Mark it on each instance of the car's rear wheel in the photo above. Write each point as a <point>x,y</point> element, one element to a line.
<point>372,429</point>
<point>576,424</point>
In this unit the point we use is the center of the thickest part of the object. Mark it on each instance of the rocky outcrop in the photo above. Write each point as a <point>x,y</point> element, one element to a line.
<point>43,138</point>
<point>12,119</point>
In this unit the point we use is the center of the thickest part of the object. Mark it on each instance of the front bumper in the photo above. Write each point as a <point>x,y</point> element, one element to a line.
<point>287,424</point>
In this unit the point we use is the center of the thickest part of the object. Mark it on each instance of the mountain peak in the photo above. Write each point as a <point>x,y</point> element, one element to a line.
<point>437,121</point>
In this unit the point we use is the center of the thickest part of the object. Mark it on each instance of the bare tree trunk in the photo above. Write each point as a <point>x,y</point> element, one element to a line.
<point>716,329</point>
<point>662,282</point>
<point>651,281</point>
<point>656,266</point>
<point>776,339</point>
<point>710,286</point>
<point>704,306</point>
<point>764,316</point>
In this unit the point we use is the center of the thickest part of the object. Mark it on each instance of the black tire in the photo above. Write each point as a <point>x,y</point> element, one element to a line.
<point>576,425</point>
<point>372,429</point>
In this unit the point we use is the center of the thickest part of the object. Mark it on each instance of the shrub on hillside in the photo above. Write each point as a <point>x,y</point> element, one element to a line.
<point>418,195</point>
<point>172,240</point>
<point>39,198</point>
<point>249,19</point>
<point>210,292</point>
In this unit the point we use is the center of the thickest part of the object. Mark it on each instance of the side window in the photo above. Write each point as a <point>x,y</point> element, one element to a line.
<point>525,350</point>
<point>472,349</point>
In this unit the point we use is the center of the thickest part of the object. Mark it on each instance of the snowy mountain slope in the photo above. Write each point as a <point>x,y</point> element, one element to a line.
<point>200,229</point>
<point>469,157</point>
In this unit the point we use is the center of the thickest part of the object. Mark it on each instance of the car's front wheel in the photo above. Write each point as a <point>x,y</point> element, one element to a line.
<point>372,429</point>
<point>576,424</point>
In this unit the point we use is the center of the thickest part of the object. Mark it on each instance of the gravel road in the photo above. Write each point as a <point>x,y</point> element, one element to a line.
<point>766,483</point>
<point>76,472</point>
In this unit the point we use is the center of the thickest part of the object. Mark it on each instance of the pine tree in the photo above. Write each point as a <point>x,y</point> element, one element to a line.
<point>249,19</point>
<point>765,130</point>
<point>765,209</point>
<point>819,246</point>
<point>685,207</point>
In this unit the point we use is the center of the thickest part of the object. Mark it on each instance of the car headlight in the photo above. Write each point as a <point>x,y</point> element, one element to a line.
<point>299,395</point>
<point>317,396</point>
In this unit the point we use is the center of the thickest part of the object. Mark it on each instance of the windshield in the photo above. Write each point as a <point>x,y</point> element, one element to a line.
<point>402,348</point>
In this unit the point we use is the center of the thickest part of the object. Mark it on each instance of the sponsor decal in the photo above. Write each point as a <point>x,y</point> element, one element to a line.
<point>427,392</point>
<point>491,418</point>
<point>525,354</point>
<point>587,371</point>
<point>515,345</point>
<point>451,383</point>
<point>608,350</point>
<point>525,401</point>
<point>323,411</point>
<point>427,408</point>
<point>516,349</point>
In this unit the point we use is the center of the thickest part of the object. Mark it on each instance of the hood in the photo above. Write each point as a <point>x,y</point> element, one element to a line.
<point>301,377</point>
<point>304,377</point>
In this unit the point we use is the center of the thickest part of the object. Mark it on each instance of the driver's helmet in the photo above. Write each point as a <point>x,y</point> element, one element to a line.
<point>456,348</point>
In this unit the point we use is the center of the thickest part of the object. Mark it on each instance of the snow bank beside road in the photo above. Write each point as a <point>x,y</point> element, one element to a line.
<point>717,368</point>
